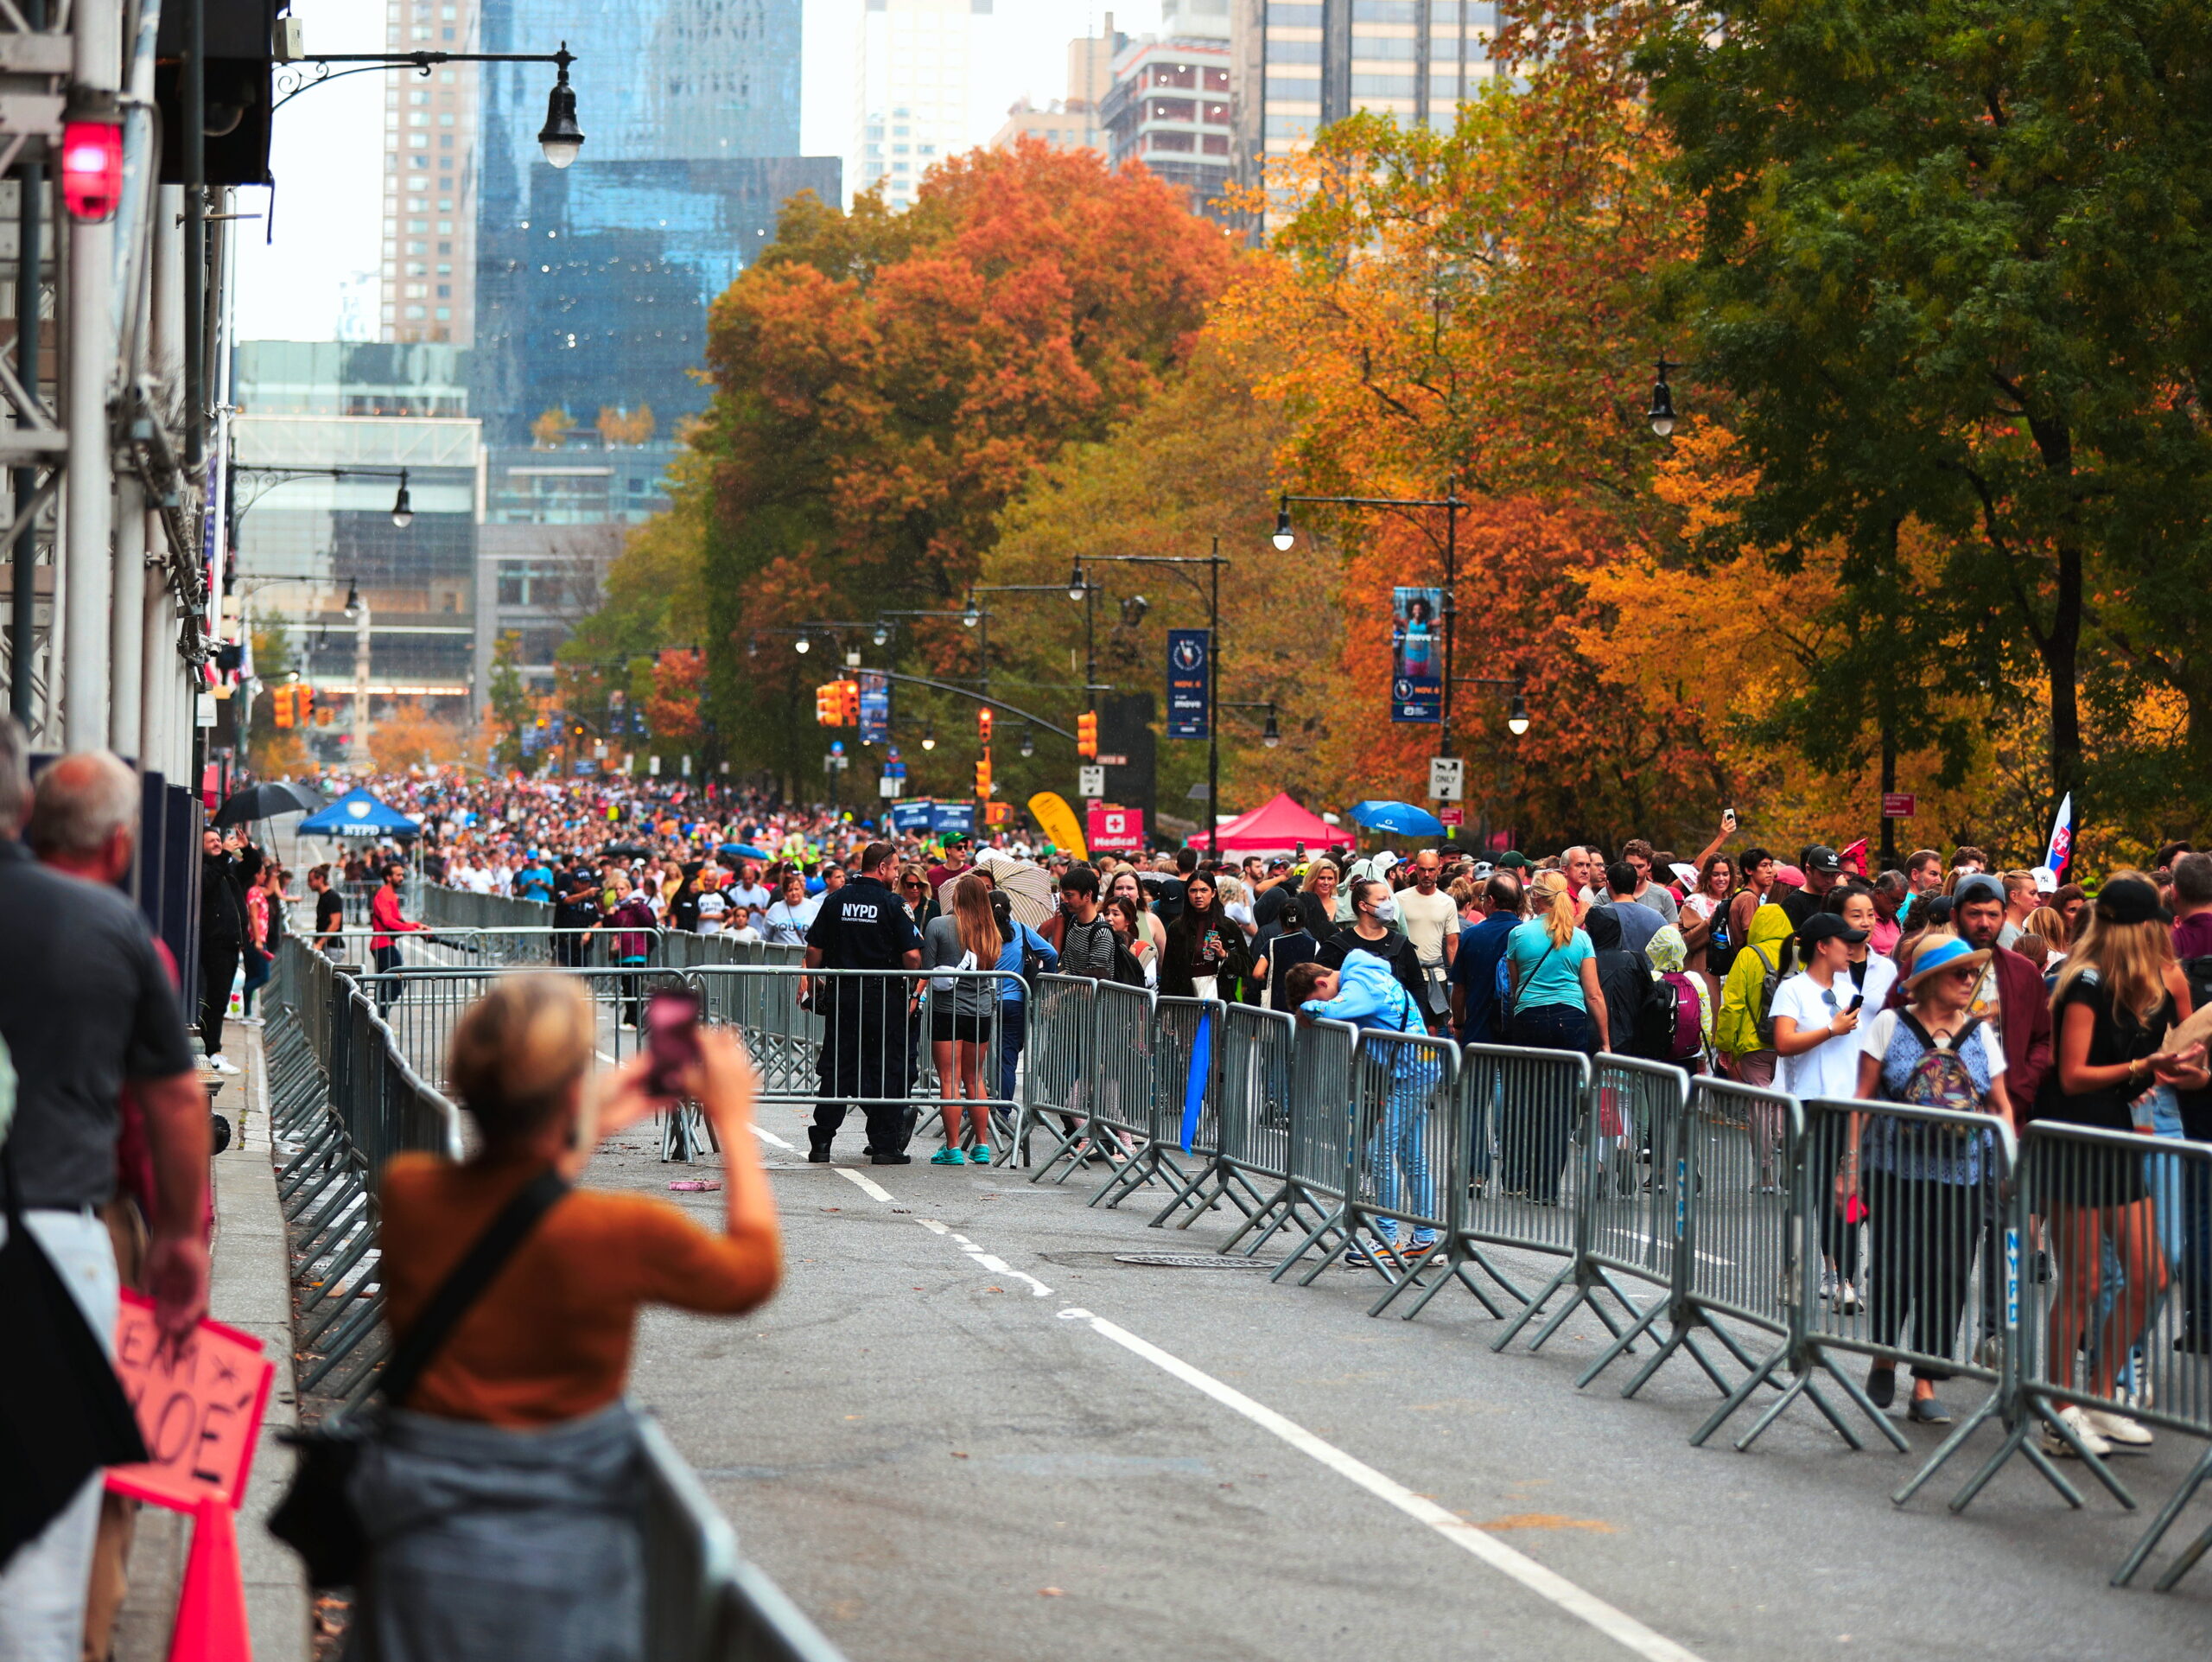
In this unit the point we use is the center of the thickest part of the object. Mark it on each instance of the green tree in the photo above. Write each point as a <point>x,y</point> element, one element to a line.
<point>1952,270</point>
<point>509,706</point>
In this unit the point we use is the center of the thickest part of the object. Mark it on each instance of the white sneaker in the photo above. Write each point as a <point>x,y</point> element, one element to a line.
<point>2077,1421</point>
<point>223,1064</point>
<point>1847,1297</point>
<point>2127,1435</point>
<point>1827,1283</point>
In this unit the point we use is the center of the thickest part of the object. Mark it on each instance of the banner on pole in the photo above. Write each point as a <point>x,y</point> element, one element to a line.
<point>1416,655</point>
<point>1190,673</point>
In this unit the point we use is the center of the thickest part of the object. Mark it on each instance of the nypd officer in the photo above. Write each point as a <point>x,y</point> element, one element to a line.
<point>867,1051</point>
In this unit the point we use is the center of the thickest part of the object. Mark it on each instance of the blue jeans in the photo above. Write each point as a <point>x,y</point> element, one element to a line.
<point>1013,1031</point>
<point>1397,1153</point>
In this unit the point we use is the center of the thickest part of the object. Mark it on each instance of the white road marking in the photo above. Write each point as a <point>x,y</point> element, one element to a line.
<point>866,1184</point>
<point>1547,1584</point>
<point>1623,1629</point>
<point>771,1139</point>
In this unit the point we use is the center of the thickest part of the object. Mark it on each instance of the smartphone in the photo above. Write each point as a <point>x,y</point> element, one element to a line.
<point>1857,999</point>
<point>1728,818</point>
<point>671,1039</point>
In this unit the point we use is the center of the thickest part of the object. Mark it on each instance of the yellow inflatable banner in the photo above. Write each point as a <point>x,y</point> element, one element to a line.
<point>1059,823</point>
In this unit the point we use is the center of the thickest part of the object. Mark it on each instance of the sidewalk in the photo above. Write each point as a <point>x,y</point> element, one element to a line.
<point>251,1289</point>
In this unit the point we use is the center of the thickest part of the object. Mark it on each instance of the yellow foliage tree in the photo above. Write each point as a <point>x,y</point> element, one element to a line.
<point>551,429</point>
<point>409,735</point>
<point>625,427</point>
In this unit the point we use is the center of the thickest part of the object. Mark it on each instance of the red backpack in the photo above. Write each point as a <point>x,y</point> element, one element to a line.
<point>1673,1027</point>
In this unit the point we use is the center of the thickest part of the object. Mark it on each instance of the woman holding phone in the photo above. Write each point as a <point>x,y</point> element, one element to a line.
<point>500,1502</point>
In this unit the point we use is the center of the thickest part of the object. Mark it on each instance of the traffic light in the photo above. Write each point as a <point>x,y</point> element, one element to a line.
<point>848,703</point>
<point>825,704</point>
<point>303,709</point>
<point>281,701</point>
<point>1086,734</point>
<point>983,776</point>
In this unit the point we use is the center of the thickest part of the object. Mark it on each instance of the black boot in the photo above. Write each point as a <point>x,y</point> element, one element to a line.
<point>817,1145</point>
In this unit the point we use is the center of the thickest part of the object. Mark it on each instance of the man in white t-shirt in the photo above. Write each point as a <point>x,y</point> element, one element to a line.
<point>1432,921</point>
<point>714,901</point>
<point>1816,1012</point>
<point>748,890</point>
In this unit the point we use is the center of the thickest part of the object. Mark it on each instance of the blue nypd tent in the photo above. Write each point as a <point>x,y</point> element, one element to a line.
<point>358,814</point>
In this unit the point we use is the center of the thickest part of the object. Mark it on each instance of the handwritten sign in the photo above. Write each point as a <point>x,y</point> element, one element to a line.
<point>198,1408</point>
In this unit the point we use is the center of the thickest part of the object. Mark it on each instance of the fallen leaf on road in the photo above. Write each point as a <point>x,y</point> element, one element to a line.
<point>1546,1520</point>
<point>1049,1593</point>
<point>957,1454</point>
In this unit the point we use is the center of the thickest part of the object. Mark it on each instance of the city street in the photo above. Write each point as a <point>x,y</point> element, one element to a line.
<point>965,1427</point>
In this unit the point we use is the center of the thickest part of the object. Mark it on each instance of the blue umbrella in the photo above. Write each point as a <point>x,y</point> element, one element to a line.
<point>744,851</point>
<point>1398,818</point>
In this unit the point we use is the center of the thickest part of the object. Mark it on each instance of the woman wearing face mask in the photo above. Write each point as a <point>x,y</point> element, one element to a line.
<point>1375,916</point>
<point>1204,948</point>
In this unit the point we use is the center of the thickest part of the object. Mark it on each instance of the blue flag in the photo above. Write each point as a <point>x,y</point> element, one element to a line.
<point>1194,1088</point>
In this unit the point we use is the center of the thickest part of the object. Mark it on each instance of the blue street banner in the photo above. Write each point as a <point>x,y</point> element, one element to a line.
<point>1189,669</point>
<point>953,817</point>
<point>913,814</point>
<point>875,706</point>
<point>1416,655</point>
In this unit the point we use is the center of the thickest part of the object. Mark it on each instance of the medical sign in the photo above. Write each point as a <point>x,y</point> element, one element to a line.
<point>1115,830</point>
<point>1190,670</point>
<point>875,706</point>
<point>1416,655</point>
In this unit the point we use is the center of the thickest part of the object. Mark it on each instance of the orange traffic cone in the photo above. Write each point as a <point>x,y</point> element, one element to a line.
<point>211,1611</point>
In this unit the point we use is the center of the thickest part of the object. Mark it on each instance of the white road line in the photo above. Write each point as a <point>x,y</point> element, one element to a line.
<point>771,1139</point>
<point>866,1184</point>
<point>1548,1584</point>
<point>1615,1625</point>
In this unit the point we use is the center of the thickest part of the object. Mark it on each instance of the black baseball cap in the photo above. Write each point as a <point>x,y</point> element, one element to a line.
<point>2131,899</point>
<point>1827,926</point>
<point>1824,859</point>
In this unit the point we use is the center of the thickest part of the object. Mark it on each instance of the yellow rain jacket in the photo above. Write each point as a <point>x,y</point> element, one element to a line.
<point>1737,1033</point>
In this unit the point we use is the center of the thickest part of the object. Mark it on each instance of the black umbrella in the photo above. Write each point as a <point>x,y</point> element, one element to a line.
<point>266,802</point>
<point>625,851</point>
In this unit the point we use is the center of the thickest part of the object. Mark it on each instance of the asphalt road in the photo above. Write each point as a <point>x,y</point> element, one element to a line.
<point>965,1429</point>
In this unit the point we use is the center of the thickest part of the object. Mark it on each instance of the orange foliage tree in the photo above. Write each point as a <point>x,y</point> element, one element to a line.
<point>408,735</point>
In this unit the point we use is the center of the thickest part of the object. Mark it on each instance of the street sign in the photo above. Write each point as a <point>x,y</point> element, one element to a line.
<point>1452,818</point>
<point>1898,805</point>
<point>1114,830</point>
<point>1446,778</point>
<point>1091,781</point>
<point>888,786</point>
<point>652,766</point>
<point>1113,761</point>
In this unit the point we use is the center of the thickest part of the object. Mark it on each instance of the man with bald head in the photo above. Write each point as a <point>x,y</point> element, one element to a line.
<point>85,1008</point>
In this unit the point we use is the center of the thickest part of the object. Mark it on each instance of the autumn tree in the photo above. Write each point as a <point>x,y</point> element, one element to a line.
<point>550,430</point>
<point>883,382</point>
<point>408,735</point>
<point>626,426</point>
<point>509,708</point>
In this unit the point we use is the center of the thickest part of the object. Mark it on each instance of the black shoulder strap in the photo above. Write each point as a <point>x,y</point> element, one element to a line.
<point>483,1261</point>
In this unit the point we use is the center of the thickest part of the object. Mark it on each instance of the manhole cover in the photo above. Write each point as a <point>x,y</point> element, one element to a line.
<point>1191,1261</point>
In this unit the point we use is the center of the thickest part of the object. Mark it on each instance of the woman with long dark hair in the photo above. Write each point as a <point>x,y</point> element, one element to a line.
<point>962,1011</point>
<point>1204,947</point>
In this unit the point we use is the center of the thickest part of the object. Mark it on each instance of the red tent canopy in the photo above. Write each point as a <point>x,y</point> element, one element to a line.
<point>1280,824</point>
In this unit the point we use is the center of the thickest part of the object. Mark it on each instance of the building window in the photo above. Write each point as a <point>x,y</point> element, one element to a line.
<point>1181,143</point>
<point>1217,143</point>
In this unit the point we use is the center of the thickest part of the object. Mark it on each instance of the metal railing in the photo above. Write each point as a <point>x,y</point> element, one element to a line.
<point>342,1101</point>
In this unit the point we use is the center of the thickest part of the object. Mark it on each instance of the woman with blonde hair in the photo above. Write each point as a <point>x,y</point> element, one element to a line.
<point>501,1500</point>
<point>1553,1003</point>
<point>2117,997</point>
<point>962,1008</point>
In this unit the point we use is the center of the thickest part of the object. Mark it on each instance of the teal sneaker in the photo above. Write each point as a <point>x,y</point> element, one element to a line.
<point>946,1157</point>
<point>980,1155</point>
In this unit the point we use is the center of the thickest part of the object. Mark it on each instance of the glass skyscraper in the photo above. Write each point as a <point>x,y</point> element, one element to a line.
<point>592,282</point>
<point>1413,59</point>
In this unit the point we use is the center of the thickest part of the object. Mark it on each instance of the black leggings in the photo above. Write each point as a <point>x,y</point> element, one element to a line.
<point>1925,1234</point>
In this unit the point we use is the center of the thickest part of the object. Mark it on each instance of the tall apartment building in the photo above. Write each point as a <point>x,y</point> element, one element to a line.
<point>1171,107</point>
<point>913,91</point>
<point>593,282</point>
<point>1074,122</point>
<point>426,287</point>
<point>1317,63</point>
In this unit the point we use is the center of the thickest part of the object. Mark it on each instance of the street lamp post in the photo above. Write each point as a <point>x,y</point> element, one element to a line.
<point>1211,593</point>
<point>1451,502</point>
<point>358,609</point>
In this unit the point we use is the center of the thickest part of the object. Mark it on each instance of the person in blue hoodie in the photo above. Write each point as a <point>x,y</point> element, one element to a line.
<point>1367,993</point>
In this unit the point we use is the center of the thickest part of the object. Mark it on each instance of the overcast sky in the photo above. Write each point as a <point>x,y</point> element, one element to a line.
<point>327,159</point>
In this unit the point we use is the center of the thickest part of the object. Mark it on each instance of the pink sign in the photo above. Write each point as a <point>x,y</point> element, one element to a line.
<point>199,1407</point>
<point>1115,830</point>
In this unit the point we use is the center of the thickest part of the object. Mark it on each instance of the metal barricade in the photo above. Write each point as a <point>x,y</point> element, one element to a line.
<point>1311,1197</point>
<point>1731,1218</point>
<point>870,1039</point>
<point>1119,1094</point>
<point>423,1006</point>
<point>1063,1014</point>
<point>1183,1120</point>
<point>1924,1188</point>
<point>2126,1220</point>
<point>1403,1155</point>
<point>1635,1205</point>
<point>1253,1050</point>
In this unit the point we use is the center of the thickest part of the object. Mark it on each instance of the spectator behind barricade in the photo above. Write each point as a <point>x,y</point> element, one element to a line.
<point>1293,943</point>
<point>1640,857</point>
<point>1373,931</point>
<point>1759,870</point>
<point>1638,922</point>
<point>2049,927</point>
<point>329,914</point>
<point>1553,994</point>
<point>1319,900</point>
<point>1476,975</point>
<point>1127,918</point>
<point>501,1501</point>
<point>86,1011</point>
<point>222,938</point>
<point>1707,933</point>
<point>1207,952</point>
<point>2011,996</point>
<point>2021,899</point>
<point>916,895</point>
<point>962,1008</point>
<point>1873,974</point>
<point>1623,976</point>
<point>789,918</point>
<point>1086,939</point>
<point>2192,886</point>
<point>1024,955</point>
<point>1931,1052</point>
<point>386,924</point>
<point>2069,900</point>
<point>1431,924</point>
<point>1128,887</point>
<point>2119,995</point>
